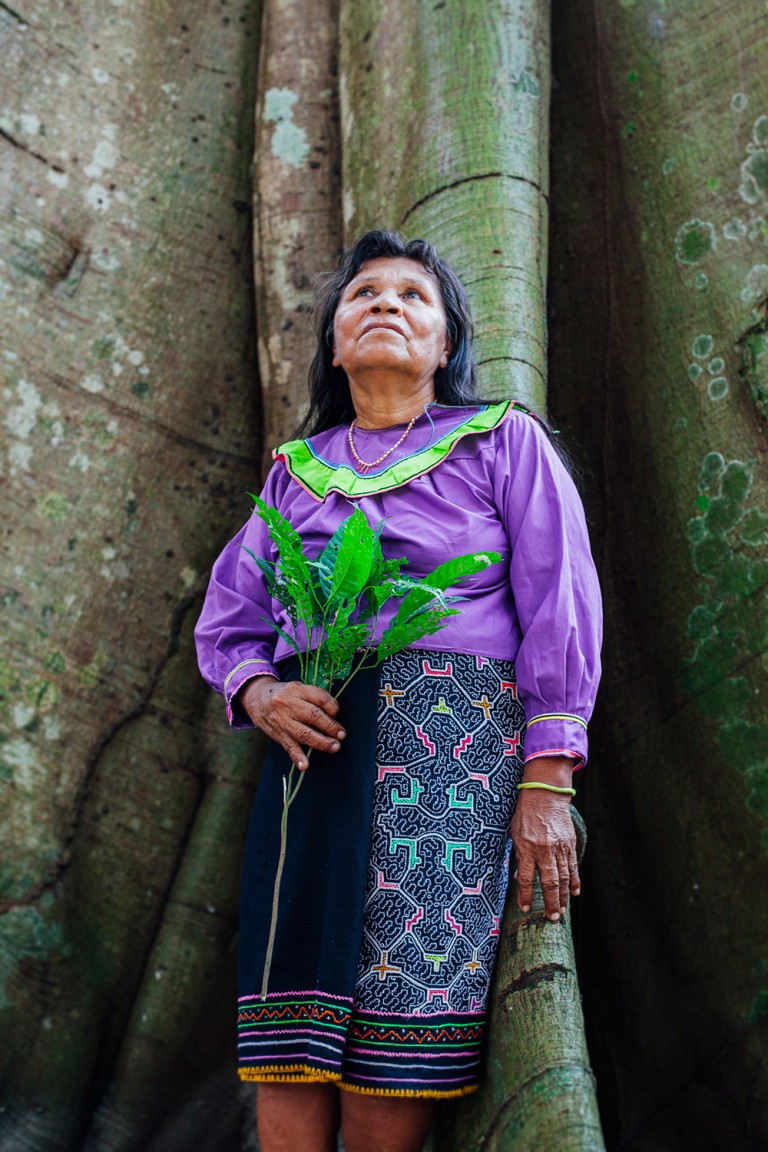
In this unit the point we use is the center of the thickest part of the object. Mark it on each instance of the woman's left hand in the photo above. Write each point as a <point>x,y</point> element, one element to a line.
<point>544,837</point>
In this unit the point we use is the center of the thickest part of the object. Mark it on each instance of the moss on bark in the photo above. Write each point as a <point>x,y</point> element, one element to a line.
<point>657,299</point>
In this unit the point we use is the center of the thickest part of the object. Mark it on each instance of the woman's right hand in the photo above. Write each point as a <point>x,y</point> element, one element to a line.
<point>293,714</point>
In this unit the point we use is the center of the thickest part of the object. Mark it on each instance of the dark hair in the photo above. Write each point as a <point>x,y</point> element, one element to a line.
<point>329,395</point>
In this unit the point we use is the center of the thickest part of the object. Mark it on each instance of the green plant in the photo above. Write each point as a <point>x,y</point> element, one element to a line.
<point>335,601</point>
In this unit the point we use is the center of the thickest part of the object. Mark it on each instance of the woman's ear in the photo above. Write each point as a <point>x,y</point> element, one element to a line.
<point>335,361</point>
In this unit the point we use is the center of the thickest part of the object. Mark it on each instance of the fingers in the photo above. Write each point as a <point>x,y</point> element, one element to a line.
<point>550,886</point>
<point>299,716</point>
<point>294,750</point>
<point>574,880</point>
<point>316,719</point>
<point>526,870</point>
<point>319,697</point>
<point>309,725</point>
<point>545,842</point>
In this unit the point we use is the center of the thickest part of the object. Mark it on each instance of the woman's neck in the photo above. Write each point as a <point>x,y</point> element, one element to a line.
<point>382,408</point>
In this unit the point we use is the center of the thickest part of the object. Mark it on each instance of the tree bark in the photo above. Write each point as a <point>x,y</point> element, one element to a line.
<point>444,114</point>
<point>296,198</point>
<point>659,294</point>
<point>131,416</point>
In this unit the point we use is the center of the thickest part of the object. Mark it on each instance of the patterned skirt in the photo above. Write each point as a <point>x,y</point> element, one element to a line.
<point>394,884</point>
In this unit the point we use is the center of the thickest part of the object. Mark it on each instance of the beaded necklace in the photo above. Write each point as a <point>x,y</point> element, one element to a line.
<point>364,465</point>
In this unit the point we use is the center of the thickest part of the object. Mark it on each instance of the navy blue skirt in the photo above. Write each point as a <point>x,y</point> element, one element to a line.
<point>393,888</point>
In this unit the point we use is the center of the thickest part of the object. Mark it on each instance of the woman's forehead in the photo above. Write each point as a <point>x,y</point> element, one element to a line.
<point>395,268</point>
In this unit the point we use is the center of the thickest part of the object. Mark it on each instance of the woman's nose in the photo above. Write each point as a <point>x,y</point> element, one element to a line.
<point>386,302</point>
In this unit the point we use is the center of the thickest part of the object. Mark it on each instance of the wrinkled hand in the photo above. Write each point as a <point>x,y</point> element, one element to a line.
<point>293,714</point>
<point>545,840</point>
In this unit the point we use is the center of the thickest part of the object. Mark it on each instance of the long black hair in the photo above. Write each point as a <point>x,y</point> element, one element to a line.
<point>329,395</point>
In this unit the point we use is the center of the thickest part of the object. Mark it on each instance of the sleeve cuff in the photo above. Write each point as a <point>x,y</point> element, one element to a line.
<point>245,670</point>
<point>557,734</point>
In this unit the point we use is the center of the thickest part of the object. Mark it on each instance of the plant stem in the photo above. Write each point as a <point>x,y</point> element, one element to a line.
<point>352,675</point>
<point>288,797</point>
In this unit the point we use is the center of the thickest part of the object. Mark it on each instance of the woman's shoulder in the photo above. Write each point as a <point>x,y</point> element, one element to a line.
<point>498,425</point>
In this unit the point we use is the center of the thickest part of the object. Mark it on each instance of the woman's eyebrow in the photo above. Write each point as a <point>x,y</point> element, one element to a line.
<point>408,282</point>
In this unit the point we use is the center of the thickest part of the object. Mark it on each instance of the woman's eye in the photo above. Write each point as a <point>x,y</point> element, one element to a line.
<point>413,292</point>
<point>363,292</point>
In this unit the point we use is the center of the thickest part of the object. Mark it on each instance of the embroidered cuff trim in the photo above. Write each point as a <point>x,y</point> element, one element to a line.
<point>557,716</point>
<point>242,664</point>
<point>579,760</point>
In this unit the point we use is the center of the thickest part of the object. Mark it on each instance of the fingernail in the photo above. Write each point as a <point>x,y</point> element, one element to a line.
<point>555,916</point>
<point>526,907</point>
<point>335,746</point>
<point>301,765</point>
<point>341,733</point>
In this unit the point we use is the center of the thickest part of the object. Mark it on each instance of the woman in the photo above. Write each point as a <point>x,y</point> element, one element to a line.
<point>398,845</point>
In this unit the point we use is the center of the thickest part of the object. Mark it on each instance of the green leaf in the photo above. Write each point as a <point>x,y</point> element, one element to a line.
<point>384,581</point>
<point>334,657</point>
<point>351,576</point>
<point>377,562</point>
<point>444,576</point>
<point>283,634</point>
<point>353,561</point>
<point>439,603</point>
<point>400,635</point>
<point>267,569</point>
<point>293,565</point>
<point>341,648</point>
<point>326,561</point>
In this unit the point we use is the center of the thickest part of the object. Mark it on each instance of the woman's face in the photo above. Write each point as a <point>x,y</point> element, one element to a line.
<point>391,316</point>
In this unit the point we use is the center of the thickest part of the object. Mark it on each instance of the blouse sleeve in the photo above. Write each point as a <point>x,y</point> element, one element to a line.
<point>555,588</point>
<point>234,643</point>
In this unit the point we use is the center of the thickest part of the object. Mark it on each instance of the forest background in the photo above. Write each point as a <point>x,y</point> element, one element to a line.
<point>172,178</point>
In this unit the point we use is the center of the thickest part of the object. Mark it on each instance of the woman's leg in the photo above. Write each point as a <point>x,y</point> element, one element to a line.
<point>384,1123</point>
<point>297,1117</point>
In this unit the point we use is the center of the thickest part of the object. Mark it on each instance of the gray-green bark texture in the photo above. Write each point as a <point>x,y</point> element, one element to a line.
<point>297,205</point>
<point>130,408</point>
<point>444,126</point>
<point>659,289</point>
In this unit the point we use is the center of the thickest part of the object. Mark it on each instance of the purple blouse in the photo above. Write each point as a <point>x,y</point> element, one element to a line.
<point>502,490</point>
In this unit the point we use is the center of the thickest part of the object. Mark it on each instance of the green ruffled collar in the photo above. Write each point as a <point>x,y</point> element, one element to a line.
<point>320,476</point>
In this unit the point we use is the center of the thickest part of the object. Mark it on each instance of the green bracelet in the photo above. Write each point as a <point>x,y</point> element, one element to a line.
<point>548,787</point>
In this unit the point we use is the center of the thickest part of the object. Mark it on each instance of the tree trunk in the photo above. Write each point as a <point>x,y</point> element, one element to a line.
<point>458,155</point>
<point>659,293</point>
<point>131,413</point>
<point>297,197</point>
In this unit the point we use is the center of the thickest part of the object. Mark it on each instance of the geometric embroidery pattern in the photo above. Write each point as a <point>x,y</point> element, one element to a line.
<point>450,755</point>
<point>271,1032</point>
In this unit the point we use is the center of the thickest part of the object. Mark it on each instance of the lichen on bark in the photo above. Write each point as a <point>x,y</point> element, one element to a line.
<point>657,248</point>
